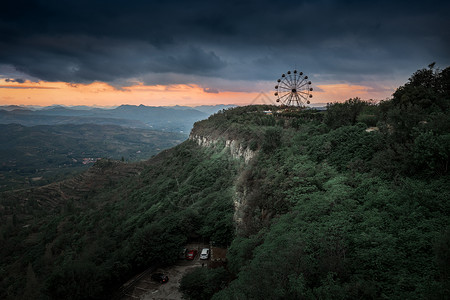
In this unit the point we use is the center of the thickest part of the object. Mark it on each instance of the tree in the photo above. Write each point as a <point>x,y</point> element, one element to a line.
<point>75,280</point>
<point>428,89</point>
<point>202,283</point>
<point>272,139</point>
<point>341,114</point>
<point>32,288</point>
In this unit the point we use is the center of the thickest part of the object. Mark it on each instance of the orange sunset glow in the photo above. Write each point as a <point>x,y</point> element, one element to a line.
<point>102,94</point>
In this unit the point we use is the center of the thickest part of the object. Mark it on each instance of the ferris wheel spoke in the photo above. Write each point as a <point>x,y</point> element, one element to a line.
<point>289,80</point>
<point>299,79</point>
<point>289,99</point>
<point>304,84</point>
<point>303,97</point>
<point>286,88</point>
<point>286,81</point>
<point>294,98</point>
<point>301,82</point>
<point>285,85</point>
<point>281,97</point>
<point>292,80</point>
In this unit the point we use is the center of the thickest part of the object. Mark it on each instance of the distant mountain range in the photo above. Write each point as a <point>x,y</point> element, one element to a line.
<point>173,119</point>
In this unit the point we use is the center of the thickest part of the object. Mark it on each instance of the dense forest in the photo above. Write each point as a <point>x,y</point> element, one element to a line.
<point>351,202</point>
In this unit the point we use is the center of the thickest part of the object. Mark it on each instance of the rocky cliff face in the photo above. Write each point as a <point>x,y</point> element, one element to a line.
<point>237,150</point>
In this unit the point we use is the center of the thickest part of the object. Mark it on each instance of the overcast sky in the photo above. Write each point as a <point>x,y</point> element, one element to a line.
<point>220,46</point>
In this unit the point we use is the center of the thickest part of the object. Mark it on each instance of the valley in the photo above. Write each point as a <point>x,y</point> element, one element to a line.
<point>39,155</point>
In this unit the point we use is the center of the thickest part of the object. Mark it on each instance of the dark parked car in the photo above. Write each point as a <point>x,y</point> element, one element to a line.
<point>160,277</point>
<point>191,254</point>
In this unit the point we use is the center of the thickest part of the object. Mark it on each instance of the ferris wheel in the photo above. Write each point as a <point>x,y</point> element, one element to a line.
<point>293,89</point>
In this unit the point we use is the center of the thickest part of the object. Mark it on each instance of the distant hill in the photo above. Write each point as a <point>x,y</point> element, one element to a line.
<point>33,118</point>
<point>12,107</point>
<point>159,118</point>
<point>212,109</point>
<point>208,109</point>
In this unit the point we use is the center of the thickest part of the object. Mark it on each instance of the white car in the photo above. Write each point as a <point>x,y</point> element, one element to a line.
<point>204,254</point>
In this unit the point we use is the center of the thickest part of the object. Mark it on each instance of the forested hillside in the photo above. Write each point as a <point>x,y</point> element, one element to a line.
<point>352,202</point>
<point>336,208</point>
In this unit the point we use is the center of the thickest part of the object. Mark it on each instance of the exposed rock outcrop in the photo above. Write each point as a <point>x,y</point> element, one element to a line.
<point>237,150</point>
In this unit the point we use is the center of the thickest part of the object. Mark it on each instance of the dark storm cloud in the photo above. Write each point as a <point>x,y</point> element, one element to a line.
<point>27,87</point>
<point>18,80</point>
<point>211,90</point>
<point>172,41</point>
